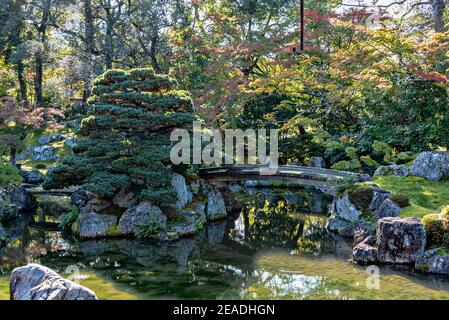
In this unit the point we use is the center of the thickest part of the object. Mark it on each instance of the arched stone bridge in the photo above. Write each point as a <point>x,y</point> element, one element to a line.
<point>290,175</point>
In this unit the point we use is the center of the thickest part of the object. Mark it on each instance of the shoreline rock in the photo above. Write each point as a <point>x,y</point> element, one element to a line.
<point>37,282</point>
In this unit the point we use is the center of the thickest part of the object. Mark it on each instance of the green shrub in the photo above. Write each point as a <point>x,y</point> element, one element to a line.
<point>445,217</point>
<point>361,198</point>
<point>148,230</point>
<point>401,200</point>
<point>351,152</point>
<point>68,219</point>
<point>405,157</point>
<point>9,174</point>
<point>344,165</point>
<point>435,230</point>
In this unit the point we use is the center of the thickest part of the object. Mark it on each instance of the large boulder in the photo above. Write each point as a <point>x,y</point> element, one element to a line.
<point>125,199</point>
<point>96,204</point>
<point>379,196</point>
<point>42,153</point>
<point>393,169</point>
<point>317,162</point>
<point>36,282</point>
<point>388,209</point>
<point>70,142</point>
<point>400,240</point>
<point>92,225</point>
<point>143,214</point>
<point>342,208</point>
<point>433,261</point>
<point>431,165</point>
<point>193,221</point>
<point>22,198</point>
<point>47,139</point>
<point>33,177</point>
<point>7,208</point>
<point>79,198</point>
<point>183,194</point>
<point>216,208</point>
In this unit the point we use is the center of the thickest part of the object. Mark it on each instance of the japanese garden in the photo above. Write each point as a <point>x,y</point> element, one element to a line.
<point>350,103</point>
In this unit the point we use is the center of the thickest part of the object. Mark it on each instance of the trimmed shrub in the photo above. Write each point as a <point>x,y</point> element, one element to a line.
<point>68,219</point>
<point>435,230</point>
<point>401,200</point>
<point>361,198</point>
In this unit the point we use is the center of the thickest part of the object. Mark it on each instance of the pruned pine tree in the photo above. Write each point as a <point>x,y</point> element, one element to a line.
<point>125,140</point>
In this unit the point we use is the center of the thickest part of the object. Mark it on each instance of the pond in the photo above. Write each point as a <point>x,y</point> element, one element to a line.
<point>276,247</point>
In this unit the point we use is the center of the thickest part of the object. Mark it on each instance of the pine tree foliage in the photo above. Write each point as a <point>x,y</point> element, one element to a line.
<point>124,141</point>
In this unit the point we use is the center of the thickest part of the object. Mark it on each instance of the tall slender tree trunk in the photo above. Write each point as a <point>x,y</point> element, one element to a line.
<point>88,49</point>
<point>22,81</point>
<point>39,60</point>
<point>12,155</point>
<point>108,46</point>
<point>438,7</point>
<point>153,57</point>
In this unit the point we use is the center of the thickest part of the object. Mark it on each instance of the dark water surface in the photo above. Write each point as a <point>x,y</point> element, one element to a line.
<point>275,248</point>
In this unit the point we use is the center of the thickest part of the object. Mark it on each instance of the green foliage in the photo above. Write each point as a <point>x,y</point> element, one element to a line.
<point>412,115</point>
<point>148,230</point>
<point>436,233</point>
<point>9,174</point>
<point>351,152</point>
<point>66,220</point>
<point>125,139</point>
<point>344,165</point>
<point>401,200</point>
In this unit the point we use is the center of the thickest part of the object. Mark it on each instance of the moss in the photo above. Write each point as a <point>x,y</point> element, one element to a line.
<point>425,196</point>
<point>177,218</point>
<point>9,174</point>
<point>113,231</point>
<point>423,267</point>
<point>361,198</point>
<point>401,200</point>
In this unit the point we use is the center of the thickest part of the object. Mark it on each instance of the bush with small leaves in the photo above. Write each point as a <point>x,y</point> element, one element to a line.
<point>437,234</point>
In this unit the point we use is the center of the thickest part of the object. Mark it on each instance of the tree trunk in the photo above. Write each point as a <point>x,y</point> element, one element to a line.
<point>22,81</point>
<point>437,14</point>
<point>154,62</point>
<point>88,49</point>
<point>12,155</point>
<point>108,45</point>
<point>38,92</point>
<point>39,71</point>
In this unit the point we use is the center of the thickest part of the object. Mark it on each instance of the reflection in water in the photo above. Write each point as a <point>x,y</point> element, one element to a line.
<point>275,248</point>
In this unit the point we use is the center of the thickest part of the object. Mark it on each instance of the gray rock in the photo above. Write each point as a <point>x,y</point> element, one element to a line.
<point>362,235</point>
<point>345,228</point>
<point>195,186</point>
<point>21,157</point>
<point>47,139</point>
<point>183,194</point>
<point>125,199</point>
<point>7,208</point>
<point>256,183</point>
<point>234,187</point>
<point>22,198</point>
<point>194,221</point>
<point>379,196</point>
<point>433,261</point>
<point>93,225</point>
<point>393,169</point>
<point>364,178</point>
<point>36,282</point>
<point>142,214</point>
<point>388,209</point>
<point>70,142</point>
<point>316,202</point>
<point>33,177</point>
<point>317,162</point>
<point>215,232</point>
<point>96,204</point>
<point>216,208</point>
<point>431,165</point>
<point>42,153</point>
<point>79,198</point>
<point>364,254</point>
<point>400,240</point>
<point>342,208</point>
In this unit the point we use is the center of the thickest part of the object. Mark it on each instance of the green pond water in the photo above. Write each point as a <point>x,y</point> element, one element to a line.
<point>276,247</point>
